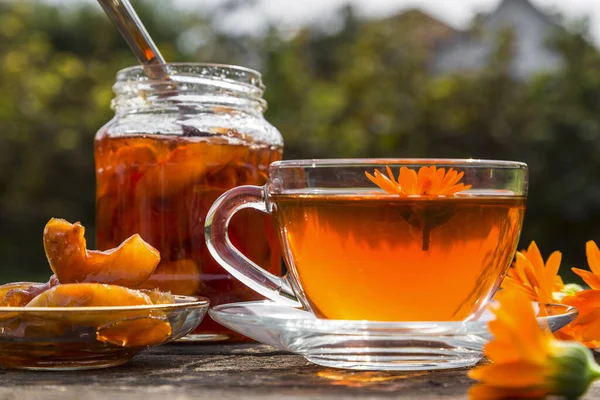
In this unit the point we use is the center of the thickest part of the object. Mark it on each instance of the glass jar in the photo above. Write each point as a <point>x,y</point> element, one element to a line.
<point>171,150</point>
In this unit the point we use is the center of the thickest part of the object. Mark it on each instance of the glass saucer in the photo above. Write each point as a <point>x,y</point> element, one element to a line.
<point>367,345</point>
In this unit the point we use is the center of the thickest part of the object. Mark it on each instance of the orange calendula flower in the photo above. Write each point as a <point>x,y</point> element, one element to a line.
<point>586,328</point>
<point>539,280</point>
<point>593,257</point>
<point>526,361</point>
<point>429,181</point>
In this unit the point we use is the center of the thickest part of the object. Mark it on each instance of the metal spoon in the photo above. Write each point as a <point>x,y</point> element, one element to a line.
<point>122,14</point>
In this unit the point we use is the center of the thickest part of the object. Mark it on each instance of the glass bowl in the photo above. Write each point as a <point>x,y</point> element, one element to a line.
<point>75,338</point>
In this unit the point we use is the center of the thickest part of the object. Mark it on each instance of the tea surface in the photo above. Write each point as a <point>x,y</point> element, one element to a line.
<point>386,258</point>
<point>162,188</point>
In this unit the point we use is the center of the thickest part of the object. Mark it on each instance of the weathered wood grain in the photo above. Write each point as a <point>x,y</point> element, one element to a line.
<point>191,371</point>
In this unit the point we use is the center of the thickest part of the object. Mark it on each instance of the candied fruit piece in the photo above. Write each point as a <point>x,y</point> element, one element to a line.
<point>178,277</point>
<point>8,287</point>
<point>89,295</point>
<point>19,294</point>
<point>159,297</point>
<point>125,165</point>
<point>124,327</point>
<point>186,164</point>
<point>135,332</point>
<point>128,265</point>
<point>138,156</point>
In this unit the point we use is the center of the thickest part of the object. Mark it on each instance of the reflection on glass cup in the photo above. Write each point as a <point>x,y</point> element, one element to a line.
<point>418,240</point>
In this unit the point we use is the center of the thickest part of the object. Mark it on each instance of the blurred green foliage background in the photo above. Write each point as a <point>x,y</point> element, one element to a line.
<point>363,91</point>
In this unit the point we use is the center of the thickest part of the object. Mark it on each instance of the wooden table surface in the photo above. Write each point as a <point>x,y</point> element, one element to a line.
<point>249,371</point>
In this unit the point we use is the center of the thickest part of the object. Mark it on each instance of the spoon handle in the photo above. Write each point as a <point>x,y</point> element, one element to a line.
<point>122,14</point>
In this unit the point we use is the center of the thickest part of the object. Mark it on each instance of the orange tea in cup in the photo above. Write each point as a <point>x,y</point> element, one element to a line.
<point>420,240</point>
<point>358,256</point>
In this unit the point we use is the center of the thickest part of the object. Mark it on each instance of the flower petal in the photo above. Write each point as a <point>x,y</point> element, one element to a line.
<point>593,256</point>
<point>390,173</point>
<point>591,279</point>
<point>535,258</point>
<point>558,283</point>
<point>457,178</point>
<point>550,271</point>
<point>448,179</point>
<point>525,270</point>
<point>436,182</point>
<point>590,329</point>
<point>408,180</point>
<point>383,182</point>
<point>424,179</point>
<point>515,324</point>
<point>533,253</point>
<point>511,283</point>
<point>459,188</point>
<point>553,265</point>
<point>585,302</point>
<point>512,375</point>
<point>502,351</point>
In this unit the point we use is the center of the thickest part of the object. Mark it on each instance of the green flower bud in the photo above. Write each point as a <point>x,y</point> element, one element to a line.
<point>571,288</point>
<point>574,369</point>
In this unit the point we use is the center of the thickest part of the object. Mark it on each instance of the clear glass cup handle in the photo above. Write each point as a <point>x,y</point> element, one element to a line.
<point>224,252</point>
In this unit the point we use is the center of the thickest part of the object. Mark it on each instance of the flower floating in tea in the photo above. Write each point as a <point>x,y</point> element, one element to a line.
<point>527,362</point>
<point>428,183</point>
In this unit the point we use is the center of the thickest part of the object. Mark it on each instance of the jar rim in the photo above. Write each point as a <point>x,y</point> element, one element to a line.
<point>226,72</point>
<point>189,83</point>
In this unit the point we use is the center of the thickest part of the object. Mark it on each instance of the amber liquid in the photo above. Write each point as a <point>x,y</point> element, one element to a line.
<point>162,188</point>
<point>391,259</point>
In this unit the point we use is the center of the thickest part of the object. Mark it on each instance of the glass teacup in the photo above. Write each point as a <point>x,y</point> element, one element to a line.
<point>382,239</point>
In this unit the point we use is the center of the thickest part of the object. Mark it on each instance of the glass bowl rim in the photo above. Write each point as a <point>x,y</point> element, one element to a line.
<point>185,303</point>
<point>364,162</point>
